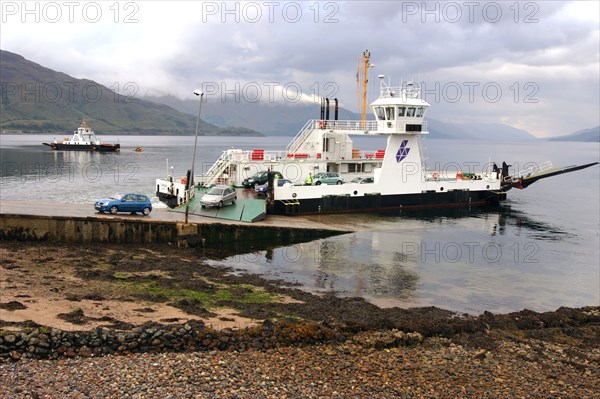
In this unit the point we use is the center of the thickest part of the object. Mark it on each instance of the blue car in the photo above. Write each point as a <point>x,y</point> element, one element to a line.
<point>127,203</point>
<point>262,189</point>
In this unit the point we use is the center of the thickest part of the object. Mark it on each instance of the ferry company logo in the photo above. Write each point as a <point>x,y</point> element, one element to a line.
<point>402,152</point>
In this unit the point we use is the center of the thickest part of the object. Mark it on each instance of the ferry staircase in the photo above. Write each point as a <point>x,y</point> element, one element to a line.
<point>302,135</point>
<point>216,170</point>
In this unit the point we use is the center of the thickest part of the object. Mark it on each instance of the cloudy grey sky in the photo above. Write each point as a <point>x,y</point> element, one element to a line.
<point>533,65</point>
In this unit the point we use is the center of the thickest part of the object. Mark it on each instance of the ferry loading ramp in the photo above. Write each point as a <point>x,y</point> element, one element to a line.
<point>245,209</point>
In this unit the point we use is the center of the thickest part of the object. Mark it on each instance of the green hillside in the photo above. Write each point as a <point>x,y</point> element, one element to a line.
<point>37,99</point>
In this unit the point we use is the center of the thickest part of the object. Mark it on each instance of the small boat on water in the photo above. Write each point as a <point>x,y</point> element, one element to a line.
<point>399,177</point>
<point>84,139</point>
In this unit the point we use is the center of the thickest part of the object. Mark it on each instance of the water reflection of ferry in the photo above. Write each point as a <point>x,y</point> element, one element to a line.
<point>406,260</point>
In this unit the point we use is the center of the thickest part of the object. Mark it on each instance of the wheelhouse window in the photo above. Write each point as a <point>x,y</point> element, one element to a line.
<point>379,112</point>
<point>419,112</point>
<point>401,111</point>
<point>389,113</point>
<point>410,112</point>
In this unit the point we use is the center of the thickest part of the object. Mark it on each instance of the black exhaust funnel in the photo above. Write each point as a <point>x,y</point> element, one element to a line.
<point>336,109</point>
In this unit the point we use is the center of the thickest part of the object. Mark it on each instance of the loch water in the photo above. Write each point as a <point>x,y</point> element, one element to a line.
<point>539,250</point>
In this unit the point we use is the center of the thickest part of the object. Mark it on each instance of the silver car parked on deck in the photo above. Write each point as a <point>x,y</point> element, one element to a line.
<point>219,196</point>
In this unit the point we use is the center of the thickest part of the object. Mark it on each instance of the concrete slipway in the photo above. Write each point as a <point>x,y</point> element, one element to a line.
<point>71,223</point>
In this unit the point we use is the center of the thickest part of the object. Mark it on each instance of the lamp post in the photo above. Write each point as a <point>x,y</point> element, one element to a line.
<point>192,182</point>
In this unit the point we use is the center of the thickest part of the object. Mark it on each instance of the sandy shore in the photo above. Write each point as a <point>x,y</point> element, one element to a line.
<point>50,282</point>
<point>523,354</point>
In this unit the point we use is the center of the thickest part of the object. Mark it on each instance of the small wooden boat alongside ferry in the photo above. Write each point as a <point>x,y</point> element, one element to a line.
<point>84,139</point>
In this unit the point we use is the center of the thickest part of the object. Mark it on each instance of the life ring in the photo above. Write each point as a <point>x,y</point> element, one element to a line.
<point>321,124</point>
<point>184,180</point>
<point>435,175</point>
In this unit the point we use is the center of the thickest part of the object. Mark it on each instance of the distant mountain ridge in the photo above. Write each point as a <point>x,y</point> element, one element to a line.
<point>34,98</point>
<point>585,135</point>
<point>277,119</point>
<point>38,99</point>
<point>272,119</point>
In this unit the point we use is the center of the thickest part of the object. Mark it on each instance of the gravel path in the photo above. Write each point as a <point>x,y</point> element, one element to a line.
<point>435,369</point>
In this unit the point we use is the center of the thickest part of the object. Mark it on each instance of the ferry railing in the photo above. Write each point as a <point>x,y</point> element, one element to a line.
<point>316,124</point>
<point>367,126</point>
<point>349,125</point>
<point>409,90</point>
<point>241,157</point>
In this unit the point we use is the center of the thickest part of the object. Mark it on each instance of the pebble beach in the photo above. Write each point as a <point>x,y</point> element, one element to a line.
<point>437,368</point>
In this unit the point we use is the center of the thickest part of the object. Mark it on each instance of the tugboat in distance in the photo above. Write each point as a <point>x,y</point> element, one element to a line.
<point>84,139</point>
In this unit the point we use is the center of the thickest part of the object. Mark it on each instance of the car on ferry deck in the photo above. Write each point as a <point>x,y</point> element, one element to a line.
<point>260,178</point>
<point>327,178</point>
<point>262,189</point>
<point>132,203</point>
<point>362,180</point>
<point>219,196</point>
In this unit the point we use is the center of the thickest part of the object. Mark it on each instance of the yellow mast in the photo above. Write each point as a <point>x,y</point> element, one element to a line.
<point>362,76</point>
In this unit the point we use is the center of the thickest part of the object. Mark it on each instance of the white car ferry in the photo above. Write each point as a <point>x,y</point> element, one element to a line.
<point>400,180</point>
<point>84,139</point>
